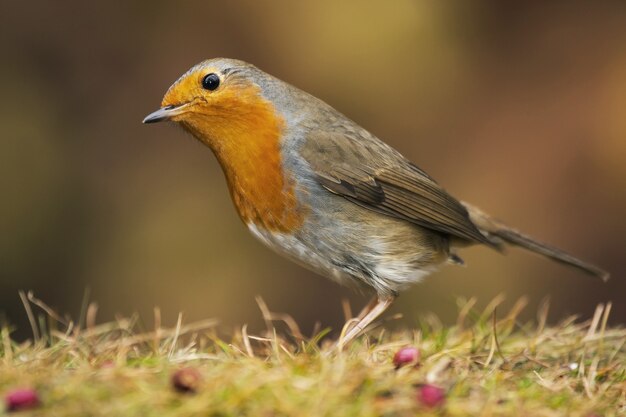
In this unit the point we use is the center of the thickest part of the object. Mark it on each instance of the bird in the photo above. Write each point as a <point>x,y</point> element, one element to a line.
<point>321,190</point>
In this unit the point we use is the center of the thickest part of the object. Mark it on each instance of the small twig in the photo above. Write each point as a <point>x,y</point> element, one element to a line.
<point>83,308</point>
<point>246,340</point>
<point>542,314</point>
<point>265,312</point>
<point>605,319</point>
<point>492,350</point>
<point>460,322</point>
<point>537,361</point>
<point>317,327</point>
<point>30,315</point>
<point>260,339</point>
<point>499,299</point>
<point>495,336</point>
<point>90,317</point>
<point>593,326</point>
<point>286,351</point>
<point>517,308</point>
<point>46,309</point>
<point>269,317</point>
<point>179,324</point>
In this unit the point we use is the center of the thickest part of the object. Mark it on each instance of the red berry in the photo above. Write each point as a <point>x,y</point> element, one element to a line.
<point>431,395</point>
<point>405,356</point>
<point>21,399</point>
<point>186,380</point>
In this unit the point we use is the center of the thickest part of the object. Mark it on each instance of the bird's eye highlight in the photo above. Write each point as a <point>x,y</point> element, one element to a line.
<point>211,81</point>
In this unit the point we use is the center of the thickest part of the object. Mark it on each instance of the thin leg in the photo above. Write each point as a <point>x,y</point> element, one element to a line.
<point>372,313</point>
<point>368,307</point>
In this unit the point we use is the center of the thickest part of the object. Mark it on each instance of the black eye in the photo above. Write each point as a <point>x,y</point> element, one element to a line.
<point>211,81</point>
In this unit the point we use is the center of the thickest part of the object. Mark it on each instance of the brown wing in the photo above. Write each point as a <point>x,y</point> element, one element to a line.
<point>369,173</point>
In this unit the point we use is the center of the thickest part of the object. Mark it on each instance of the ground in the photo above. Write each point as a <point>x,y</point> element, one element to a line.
<point>486,365</point>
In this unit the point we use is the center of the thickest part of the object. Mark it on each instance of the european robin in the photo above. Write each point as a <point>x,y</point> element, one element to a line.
<point>318,188</point>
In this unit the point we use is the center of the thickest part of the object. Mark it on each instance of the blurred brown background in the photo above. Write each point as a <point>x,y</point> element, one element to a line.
<point>520,109</point>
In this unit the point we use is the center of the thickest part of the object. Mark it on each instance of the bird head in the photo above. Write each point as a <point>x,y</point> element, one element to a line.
<point>219,100</point>
<point>230,106</point>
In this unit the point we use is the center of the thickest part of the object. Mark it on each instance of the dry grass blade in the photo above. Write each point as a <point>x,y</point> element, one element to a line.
<point>467,307</point>
<point>31,316</point>
<point>491,369</point>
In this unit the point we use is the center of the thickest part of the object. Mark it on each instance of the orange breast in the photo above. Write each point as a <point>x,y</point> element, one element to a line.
<point>244,132</point>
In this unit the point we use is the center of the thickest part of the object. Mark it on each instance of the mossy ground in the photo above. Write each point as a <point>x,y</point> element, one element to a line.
<point>487,365</point>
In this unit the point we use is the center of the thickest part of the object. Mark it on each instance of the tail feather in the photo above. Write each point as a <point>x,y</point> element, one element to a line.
<point>497,230</point>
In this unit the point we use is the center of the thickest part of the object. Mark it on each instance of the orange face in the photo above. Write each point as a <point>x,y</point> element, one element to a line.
<point>226,111</point>
<point>205,91</point>
<point>216,99</point>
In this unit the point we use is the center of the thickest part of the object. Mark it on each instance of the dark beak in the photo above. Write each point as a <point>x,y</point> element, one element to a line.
<point>164,113</point>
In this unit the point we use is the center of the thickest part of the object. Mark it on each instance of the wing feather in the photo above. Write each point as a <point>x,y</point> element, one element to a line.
<point>371,174</point>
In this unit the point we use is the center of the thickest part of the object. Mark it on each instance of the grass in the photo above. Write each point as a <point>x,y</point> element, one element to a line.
<point>487,364</point>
